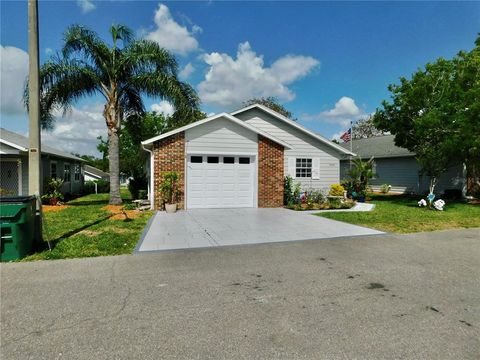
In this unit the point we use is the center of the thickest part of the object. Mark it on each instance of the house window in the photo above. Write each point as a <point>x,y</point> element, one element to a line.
<point>303,168</point>
<point>244,160</point>
<point>374,170</point>
<point>212,159</point>
<point>53,170</point>
<point>196,159</point>
<point>66,172</point>
<point>228,160</point>
<point>77,172</point>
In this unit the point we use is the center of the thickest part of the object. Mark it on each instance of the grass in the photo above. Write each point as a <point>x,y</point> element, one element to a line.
<point>84,229</point>
<point>401,214</point>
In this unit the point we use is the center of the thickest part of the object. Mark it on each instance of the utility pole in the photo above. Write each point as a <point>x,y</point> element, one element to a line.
<point>34,151</point>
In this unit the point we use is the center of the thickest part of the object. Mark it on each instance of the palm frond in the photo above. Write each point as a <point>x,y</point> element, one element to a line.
<point>89,45</point>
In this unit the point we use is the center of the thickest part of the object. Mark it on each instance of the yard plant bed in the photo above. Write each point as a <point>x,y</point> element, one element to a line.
<point>401,214</point>
<point>88,227</point>
<point>322,206</point>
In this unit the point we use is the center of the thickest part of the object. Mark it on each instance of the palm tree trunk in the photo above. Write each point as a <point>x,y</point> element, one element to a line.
<point>114,166</point>
<point>113,124</point>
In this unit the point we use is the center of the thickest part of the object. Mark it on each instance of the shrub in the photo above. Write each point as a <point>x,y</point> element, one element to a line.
<point>288,198</point>
<point>103,186</point>
<point>336,190</point>
<point>142,194</point>
<point>360,175</point>
<point>135,185</point>
<point>88,187</point>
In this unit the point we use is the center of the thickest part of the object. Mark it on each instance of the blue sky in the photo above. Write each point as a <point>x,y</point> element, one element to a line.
<point>328,63</point>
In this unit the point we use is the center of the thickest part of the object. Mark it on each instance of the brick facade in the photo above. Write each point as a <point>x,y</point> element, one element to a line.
<point>270,173</point>
<point>169,155</point>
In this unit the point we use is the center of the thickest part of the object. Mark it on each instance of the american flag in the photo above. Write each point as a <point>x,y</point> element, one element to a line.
<point>347,135</point>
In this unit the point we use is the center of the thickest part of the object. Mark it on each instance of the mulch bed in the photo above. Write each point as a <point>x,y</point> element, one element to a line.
<point>119,213</point>
<point>54,208</point>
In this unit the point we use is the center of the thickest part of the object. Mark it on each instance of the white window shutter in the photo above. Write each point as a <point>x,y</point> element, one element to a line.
<point>315,168</point>
<point>291,166</point>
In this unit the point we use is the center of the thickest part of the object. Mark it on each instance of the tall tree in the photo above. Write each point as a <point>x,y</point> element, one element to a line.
<point>272,103</point>
<point>121,72</point>
<point>436,113</point>
<point>365,128</point>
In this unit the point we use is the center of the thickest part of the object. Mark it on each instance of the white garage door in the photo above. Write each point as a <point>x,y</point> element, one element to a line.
<point>220,181</point>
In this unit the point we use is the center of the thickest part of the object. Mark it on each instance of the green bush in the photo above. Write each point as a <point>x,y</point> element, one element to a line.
<point>88,187</point>
<point>103,186</point>
<point>142,194</point>
<point>336,190</point>
<point>288,198</point>
<point>136,185</point>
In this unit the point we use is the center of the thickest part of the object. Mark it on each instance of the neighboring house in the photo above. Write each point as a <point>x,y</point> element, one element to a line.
<point>92,174</point>
<point>55,164</point>
<point>240,159</point>
<point>398,167</point>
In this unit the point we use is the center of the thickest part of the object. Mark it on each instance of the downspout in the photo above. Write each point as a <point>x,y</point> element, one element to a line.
<point>151,189</point>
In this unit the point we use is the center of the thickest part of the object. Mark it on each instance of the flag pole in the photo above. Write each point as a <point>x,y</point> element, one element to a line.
<point>351,143</point>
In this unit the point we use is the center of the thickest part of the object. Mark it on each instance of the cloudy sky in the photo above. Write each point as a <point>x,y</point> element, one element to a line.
<point>329,63</point>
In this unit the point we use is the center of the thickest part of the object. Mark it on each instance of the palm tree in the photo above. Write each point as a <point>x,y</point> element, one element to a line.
<point>88,66</point>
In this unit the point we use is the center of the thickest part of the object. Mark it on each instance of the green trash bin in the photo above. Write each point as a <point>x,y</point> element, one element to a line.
<point>17,226</point>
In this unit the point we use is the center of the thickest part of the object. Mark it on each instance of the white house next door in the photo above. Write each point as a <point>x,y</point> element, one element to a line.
<point>220,181</point>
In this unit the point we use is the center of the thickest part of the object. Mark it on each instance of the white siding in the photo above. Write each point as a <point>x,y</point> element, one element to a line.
<point>220,136</point>
<point>303,146</point>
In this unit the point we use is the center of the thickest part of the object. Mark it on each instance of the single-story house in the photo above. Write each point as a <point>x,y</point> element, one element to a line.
<point>240,159</point>
<point>55,164</point>
<point>398,167</point>
<point>92,174</point>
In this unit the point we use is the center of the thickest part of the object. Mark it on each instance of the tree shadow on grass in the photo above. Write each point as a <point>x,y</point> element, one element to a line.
<point>86,203</point>
<point>50,244</point>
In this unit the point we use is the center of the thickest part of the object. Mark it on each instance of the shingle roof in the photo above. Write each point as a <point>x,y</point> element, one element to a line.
<point>22,141</point>
<point>378,147</point>
<point>97,172</point>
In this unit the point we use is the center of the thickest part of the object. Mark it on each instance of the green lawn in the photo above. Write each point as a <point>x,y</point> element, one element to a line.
<point>401,214</point>
<point>84,229</point>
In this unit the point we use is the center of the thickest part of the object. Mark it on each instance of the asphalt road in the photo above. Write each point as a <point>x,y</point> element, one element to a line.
<point>377,297</point>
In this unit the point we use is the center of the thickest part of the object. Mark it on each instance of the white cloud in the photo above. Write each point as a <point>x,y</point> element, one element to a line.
<point>13,74</point>
<point>171,35</point>
<point>187,71</point>
<point>78,130</point>
<point>229,82</point>
<point>48,51</point>
<point>344,111</point>
<point>163,107</point>
<point>86,6</point>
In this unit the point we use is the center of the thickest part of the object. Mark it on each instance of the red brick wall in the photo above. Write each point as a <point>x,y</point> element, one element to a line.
<point>169,155</point>
<point>270,173</point>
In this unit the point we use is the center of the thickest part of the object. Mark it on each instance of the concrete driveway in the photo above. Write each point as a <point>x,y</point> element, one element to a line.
<point>375,297</point>
<point>220,227</point>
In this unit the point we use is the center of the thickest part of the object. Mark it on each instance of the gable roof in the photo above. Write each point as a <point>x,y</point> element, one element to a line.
<point>378,147</point>
<point>95,172</point>
<point>21,143</point>
<point>295,125</point>
<point>211,118</point>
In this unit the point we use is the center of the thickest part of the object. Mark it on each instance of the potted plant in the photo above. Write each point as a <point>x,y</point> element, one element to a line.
<point>53,191</point>
<point>169,190</point>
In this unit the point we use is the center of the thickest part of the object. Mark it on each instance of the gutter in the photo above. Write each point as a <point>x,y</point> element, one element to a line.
<point>151,189</point>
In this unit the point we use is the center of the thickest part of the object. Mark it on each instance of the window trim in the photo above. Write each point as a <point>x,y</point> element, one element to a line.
<point>56,169</point>
<point>75,173</point>
<point>65,172</point>
<point>308,167</point>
